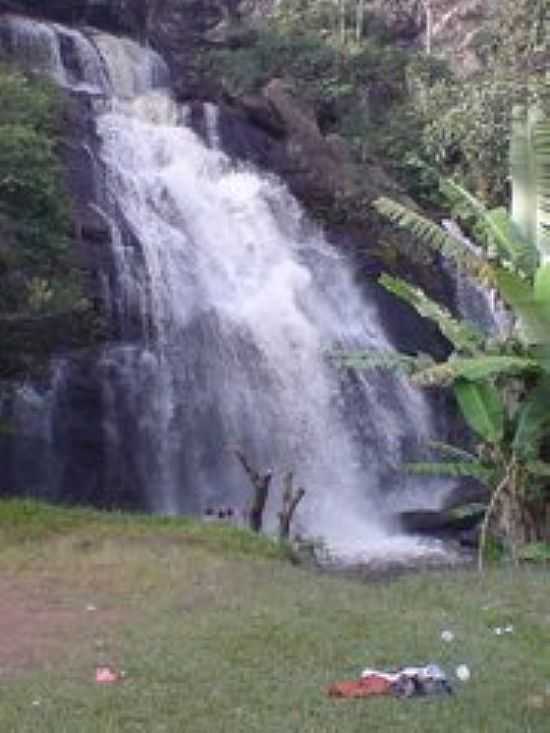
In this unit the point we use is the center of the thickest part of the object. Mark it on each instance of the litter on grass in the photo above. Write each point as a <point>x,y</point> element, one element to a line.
<point>463,673</point>
<point>106,675</point>
<point>447,636</point>
<point>404,682</point>
<point>500,630</point>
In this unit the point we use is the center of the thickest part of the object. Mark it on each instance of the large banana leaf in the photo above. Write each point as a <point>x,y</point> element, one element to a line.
<point>451,451</point>
<point>541,286</point>
<point>452,469</point>
<point>533,314</point>
<point>541,352</point>
<point>521,173</point>
<point>436,238</point>
<point>540,469</point>
<point>482,407</point>
<point>533,421</point>
<point>389,360</point>
<point>462,335</point>
<point>541,146</point>
<point>511,246</point>
<point>474,369</point>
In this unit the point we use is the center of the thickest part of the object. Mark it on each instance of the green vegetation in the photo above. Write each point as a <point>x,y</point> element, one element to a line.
<point>397,105</point>
<point>501,383</point>
<point>220,641</point>
<point>26,521</point>
<point>330,79</point>
<point>39,274</point>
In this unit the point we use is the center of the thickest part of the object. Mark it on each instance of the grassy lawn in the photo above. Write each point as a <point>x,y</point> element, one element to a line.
<point>218,633</point>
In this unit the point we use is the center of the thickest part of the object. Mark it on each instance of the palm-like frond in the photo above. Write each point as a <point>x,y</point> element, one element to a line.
<point>511,246</point>
<point>436,238</point>
<point>533,421</point>
<point>483,408</point>
<point>452,469</point>
<point>451,451</point>
<point>388,360</point>
<point>533,313</point>
<point>540,469</point>
<point>541,147</point>
<point>475,368</point>
<point>463,336</point>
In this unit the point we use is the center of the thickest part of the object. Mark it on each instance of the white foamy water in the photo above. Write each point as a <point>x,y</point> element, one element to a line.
<point>240,298</point>
<point>237,273</point>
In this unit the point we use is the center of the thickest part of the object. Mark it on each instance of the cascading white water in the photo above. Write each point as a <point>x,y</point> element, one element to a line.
<point>243,298</point>
<point>475,303</point>
<point>65,55</point>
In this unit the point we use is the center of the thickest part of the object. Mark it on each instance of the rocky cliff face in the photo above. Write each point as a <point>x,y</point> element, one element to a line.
<point>282,134</point>
<point>274,130</point>
<point>176,27</point>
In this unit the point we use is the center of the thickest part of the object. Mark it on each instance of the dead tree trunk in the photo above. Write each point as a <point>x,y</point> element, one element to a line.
<point>428,8</point>
<point>291,499</point>
<point>260,482</point>
<point>359,20</point>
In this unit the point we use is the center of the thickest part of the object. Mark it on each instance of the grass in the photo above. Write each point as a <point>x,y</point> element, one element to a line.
<point>27,521</point>
<point>218,635</point>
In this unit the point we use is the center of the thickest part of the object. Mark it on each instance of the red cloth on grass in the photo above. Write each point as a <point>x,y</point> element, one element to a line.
<point>363,687</point>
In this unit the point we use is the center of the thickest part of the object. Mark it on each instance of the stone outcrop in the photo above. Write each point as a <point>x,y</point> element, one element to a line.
<point>455,27</point>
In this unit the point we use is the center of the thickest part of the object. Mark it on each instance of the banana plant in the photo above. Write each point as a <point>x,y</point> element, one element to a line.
<point>502,385</point>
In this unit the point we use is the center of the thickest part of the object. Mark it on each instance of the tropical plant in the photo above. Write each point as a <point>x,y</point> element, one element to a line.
<point>501,383</point>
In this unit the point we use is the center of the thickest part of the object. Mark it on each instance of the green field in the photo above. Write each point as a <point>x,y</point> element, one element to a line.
<point>218,632</point>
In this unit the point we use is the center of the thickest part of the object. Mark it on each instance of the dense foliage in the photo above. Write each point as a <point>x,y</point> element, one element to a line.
<point>39,276</point>
<point>342,85</point>
<point>387,97</point>
<point>465,123</point>
<point>501,381</point>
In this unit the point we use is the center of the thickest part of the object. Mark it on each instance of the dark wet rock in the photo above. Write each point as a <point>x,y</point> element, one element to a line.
<point>443,524</point>
<point>260,112</point>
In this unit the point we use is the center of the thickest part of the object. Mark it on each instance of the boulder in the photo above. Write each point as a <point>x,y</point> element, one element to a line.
<point>463,527</point>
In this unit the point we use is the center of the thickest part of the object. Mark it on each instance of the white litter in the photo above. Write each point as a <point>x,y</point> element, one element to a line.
<point>463,673</point>
<point>447,636</point>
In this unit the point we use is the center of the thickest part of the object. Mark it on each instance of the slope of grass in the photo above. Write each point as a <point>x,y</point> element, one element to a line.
<point>215,639</point>
<point>27,521</point>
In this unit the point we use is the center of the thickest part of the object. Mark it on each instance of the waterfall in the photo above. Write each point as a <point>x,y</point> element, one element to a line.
<point>239,299</point>
<point>65,55</point>
<point>477,304</point>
